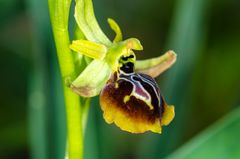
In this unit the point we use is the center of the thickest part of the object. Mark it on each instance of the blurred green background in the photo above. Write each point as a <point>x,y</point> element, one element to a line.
<point>204,84</point>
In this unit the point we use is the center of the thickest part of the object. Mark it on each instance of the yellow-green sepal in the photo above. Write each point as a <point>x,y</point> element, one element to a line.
<point>86,20</point>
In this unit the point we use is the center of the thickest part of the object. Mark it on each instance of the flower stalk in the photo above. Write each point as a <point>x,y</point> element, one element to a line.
<point>59,12</point>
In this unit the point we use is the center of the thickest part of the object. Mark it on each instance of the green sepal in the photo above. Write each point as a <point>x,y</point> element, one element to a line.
<point>155,66</point>
<point>86,20</point>
<point>90,82</point>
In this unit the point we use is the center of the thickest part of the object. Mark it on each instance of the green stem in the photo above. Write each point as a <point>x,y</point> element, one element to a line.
<point>74,125</point>
<point>59,12</point>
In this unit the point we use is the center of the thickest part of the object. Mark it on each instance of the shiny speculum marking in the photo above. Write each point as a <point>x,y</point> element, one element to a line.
<point>144,87</point>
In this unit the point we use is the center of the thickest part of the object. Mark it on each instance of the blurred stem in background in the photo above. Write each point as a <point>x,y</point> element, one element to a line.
<point>186,38</point>
<point>39,90</point>
<point>47,126</point>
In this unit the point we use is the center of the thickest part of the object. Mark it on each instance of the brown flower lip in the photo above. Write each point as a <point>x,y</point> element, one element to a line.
<point>133,102</point>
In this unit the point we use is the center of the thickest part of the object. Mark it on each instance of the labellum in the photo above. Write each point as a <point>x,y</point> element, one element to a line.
<point>133,100</point>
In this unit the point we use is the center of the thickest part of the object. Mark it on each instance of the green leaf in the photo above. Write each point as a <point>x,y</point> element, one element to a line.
<point>218,141</point>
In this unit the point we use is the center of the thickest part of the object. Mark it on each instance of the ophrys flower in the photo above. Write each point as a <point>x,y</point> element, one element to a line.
<point>129,95</point>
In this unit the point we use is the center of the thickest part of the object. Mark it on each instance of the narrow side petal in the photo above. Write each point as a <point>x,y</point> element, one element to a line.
<point>115,27</point>
<point>89,49</point>
<point>155,66</point>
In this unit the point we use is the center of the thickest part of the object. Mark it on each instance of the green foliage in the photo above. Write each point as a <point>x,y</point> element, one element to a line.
<point>217,141</point>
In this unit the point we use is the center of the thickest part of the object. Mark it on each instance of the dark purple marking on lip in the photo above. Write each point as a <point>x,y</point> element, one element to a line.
<point>135,108</point>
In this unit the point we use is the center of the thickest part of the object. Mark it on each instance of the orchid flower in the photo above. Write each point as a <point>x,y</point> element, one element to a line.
<point>129,95</point>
